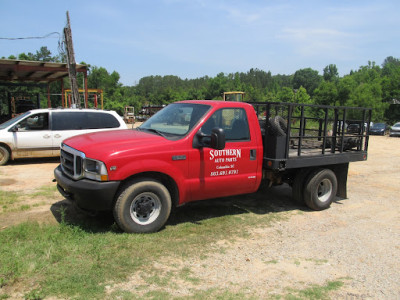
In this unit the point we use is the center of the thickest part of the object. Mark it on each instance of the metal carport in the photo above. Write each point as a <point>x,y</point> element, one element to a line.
<point>22,72</point>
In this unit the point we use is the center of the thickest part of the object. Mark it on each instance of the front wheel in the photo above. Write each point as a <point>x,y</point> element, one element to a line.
<point>4,155</point>
<point>320,189</point>
<point>142,206</point>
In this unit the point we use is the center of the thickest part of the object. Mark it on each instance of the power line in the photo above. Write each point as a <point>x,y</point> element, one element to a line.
<point>31,37</point>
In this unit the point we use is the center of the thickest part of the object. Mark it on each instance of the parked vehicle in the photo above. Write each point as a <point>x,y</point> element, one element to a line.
<point>353,128</point>
<point>217,149</point>
<point>379,129</point>
<point>395,130</point>
<point>39,132</point>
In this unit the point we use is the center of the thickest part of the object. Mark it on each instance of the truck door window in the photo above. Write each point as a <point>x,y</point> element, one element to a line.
<point>34,122</point>
<point>232,120</point>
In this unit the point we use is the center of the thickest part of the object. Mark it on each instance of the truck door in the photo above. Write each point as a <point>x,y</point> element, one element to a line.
<point>233,170</point>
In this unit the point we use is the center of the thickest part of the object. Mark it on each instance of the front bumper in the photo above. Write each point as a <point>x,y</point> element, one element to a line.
<point>87,194</point>
<point>394,133</point>
<point>377,133</point>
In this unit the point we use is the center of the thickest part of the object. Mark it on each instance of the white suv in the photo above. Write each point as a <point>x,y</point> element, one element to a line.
<point>39,132</point>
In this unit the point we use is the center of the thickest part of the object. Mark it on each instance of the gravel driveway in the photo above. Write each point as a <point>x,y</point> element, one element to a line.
<point>356,241</point>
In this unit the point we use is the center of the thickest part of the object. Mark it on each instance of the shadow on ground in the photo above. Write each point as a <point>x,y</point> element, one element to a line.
<point>31,161</point>
<point>265,201</point>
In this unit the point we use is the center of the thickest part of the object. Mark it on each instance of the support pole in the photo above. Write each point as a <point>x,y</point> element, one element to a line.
<point>48,96</point>
<point>71,64</point>
<point>62,93</point>
<point>86,89</point>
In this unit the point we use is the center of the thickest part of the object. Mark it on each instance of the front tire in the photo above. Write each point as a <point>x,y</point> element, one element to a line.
<point>4,155</point>
<point>320,189</point>
<point>142,206</point>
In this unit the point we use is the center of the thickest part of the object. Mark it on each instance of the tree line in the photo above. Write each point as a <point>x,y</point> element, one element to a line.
<point>372,85</point>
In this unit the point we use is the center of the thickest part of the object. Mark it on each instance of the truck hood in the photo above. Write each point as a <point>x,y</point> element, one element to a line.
<point>99,145</point>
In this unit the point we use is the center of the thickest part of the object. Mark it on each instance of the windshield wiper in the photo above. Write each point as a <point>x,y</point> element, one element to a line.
<point>156,131</point>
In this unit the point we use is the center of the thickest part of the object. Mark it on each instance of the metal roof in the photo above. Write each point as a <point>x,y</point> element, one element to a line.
<point>34,71</point>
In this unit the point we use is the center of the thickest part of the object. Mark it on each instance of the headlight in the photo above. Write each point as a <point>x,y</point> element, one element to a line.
<point>95,169</point>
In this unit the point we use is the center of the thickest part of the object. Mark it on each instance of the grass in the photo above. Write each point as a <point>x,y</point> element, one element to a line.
<point>45,192</point>
<point>83,257</point>
<point>10,201</point>
<point>315,291</point>
<point>78,258</point>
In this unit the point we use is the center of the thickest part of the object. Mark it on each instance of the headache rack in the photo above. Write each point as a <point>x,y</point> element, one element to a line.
<point>302,135</point>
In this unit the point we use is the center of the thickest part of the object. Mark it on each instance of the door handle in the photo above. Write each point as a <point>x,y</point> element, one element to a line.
<point>57,136</point>
<point>253,154</point>
<point>46,136</point>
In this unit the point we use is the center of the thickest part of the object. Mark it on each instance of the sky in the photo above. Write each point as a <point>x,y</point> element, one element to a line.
<point>196,38</point>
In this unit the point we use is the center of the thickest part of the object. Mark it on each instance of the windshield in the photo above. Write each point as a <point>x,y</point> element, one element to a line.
<point>176,119</point>
<point>378,126</point>
<point>13,120</point>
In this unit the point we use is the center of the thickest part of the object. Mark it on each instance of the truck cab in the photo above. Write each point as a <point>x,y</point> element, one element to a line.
<point>193,149</point>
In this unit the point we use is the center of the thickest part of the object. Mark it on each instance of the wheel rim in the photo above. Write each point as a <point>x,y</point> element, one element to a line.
<point>324,191</point>
<point>145,208</point>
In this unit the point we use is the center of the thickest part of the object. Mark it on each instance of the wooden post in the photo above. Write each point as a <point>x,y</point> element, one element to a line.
<point>86,89</point>
<point>71,64</point>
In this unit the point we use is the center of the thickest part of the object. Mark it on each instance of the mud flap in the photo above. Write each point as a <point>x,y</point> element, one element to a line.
<point>341,171</point>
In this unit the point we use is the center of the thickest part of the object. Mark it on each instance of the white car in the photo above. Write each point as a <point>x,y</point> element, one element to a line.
<point>39,132</point>
<point>395,130</point>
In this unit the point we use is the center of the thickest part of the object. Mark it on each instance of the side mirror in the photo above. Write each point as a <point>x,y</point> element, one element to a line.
<point>14,128</point>
<point>217,138</point>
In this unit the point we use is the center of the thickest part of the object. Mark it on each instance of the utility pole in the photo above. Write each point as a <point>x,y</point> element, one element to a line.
<point>71,65</point>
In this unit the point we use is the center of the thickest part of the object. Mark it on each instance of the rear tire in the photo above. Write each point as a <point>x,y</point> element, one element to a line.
<point>4,155</point>
<point>320,189</point>
<point>142,206</point>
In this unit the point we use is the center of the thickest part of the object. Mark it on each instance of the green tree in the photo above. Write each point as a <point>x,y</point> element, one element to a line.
<point>286,95</point>
<point>301,96</point>
<point>370,95</point>
<point>391,79</point>
<point>216,87</point>
<point>23,56</point>
<point>44,54</point>
<point>308,78</point>
<point>331,73</point>
<point>345,87</point>
<point>390,60</point>
<point>326,94</point>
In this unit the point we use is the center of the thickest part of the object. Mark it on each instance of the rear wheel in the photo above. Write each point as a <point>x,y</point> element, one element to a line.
<point>142,206</point>
<point>4,155</point>
<point>320,189</point>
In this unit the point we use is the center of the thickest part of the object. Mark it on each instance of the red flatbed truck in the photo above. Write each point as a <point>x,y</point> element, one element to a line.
<point>199,149</point>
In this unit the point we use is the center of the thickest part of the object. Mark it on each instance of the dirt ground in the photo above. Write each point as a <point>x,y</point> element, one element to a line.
<point>356,241</point>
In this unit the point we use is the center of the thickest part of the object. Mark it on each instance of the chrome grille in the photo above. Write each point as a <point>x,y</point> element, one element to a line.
<point>71,161</point>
